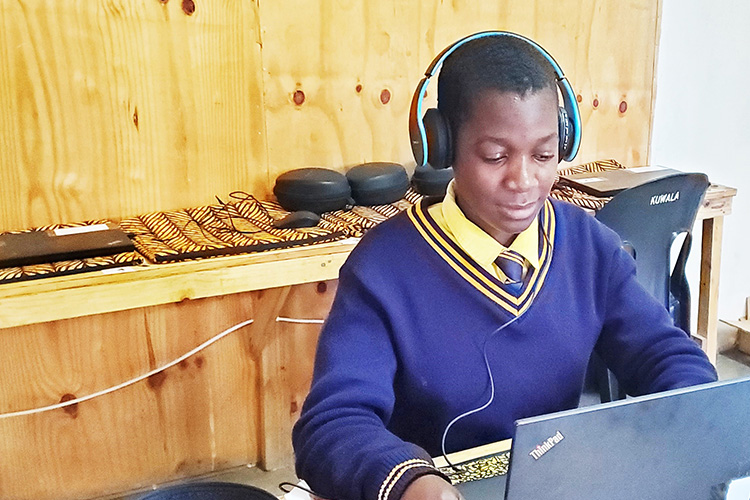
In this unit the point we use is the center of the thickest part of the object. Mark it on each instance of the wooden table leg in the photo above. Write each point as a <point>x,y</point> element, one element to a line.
<point>708,295</point>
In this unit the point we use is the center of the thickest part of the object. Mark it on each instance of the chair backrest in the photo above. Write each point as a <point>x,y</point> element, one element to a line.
<point>648,218</point>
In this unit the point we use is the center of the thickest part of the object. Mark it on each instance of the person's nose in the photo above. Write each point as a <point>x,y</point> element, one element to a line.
<point>519,176</point>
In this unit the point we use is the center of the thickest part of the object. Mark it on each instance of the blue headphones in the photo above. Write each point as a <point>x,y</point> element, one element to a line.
<point>430,133</point>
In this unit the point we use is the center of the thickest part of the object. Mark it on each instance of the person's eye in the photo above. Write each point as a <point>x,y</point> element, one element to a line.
<point>545,157</point>
<point>494,158</point>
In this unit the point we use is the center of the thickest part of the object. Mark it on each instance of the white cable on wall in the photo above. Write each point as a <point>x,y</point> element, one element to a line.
<point>128,382</point>
<point>298,320</point>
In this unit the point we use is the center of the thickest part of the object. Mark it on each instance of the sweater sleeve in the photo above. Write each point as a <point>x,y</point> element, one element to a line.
<point>640,342</point>
<point>342,446</point>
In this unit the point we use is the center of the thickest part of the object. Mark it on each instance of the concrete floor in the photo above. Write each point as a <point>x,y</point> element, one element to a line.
<point>730,364</point>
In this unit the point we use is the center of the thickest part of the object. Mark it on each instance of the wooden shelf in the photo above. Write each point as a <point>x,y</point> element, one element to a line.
<point>85,294</point>
<point>717,202</point>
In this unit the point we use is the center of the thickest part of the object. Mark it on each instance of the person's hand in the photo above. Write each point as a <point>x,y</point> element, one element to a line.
<point>431,487</point>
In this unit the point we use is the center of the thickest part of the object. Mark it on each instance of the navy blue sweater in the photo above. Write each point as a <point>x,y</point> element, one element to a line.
<point>401,353</point>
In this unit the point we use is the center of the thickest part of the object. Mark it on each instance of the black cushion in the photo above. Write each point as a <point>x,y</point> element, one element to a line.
<point>378,183</point>
<point>315,189</point>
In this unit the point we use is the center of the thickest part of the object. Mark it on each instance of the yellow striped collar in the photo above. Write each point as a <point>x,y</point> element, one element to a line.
<point>480,246</point>
<point>446,246</point>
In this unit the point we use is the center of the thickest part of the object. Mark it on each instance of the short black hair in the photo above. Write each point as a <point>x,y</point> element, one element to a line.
<point>500,63</point>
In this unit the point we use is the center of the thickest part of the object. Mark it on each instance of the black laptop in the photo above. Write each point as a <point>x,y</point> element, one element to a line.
<point>685,444</point>
<point>611,182</point>
<point>41,247</point>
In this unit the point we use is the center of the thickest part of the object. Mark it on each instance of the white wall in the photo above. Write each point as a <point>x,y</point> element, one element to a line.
<point>702,122</point>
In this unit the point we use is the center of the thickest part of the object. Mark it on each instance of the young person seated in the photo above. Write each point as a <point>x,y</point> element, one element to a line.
<point>429,323</point>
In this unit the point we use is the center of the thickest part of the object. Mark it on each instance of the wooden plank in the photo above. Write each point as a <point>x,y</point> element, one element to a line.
<point>287,366</point>
<point>717,202</point>
<point>111,108</point>
<point>708,294</point>
<point>364,49</point>
<point>96,293</point>
<point>198,416</point>
<point>338,80</point>
<point>174,107</point>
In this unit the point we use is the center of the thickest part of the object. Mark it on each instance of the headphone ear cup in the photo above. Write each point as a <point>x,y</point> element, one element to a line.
<point>439,141</point>
<point>564,133</point>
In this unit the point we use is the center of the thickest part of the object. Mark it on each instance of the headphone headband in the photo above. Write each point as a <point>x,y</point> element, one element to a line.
<point>417,132</point>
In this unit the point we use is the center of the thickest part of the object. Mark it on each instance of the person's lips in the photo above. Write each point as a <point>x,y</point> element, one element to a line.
<point>519,210</point>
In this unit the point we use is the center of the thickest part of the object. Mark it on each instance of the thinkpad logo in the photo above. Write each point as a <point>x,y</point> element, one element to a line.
<point>547,445</point>
<point>658,199</point>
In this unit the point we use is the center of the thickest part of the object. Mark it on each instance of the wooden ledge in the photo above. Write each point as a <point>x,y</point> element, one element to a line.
<point>97,292</point>
<point>717,202</point>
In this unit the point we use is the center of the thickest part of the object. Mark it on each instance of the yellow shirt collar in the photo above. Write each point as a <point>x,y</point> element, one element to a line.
<point>480,246</point>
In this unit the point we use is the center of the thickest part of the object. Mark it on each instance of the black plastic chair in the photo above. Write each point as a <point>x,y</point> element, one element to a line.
<point>648,218</point>
<point>209,491</point>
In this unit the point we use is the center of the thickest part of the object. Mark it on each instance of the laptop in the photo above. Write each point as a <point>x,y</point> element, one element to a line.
<point>40,247</point>
<point>610,182</point>
<point>686,444</point>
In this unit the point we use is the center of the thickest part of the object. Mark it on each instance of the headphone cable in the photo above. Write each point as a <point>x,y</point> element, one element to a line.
<point>487,364</point>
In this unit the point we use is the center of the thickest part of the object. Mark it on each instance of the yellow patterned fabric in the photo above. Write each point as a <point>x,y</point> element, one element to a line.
<point>579,198</point>
<point>482,468</point>
<point>65,267</point>
<point>244,224</point>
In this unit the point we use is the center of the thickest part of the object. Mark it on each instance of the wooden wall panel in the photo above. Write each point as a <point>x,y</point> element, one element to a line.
<point>338,80</point>
<point>221,407</point>
<point>110,108</point>
<point>340,57</point>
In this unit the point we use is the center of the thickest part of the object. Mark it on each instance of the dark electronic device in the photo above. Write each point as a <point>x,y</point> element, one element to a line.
<point>611,182</point>
<point>315,189</point>
<point>430,133</point>
<point>682,444</point>
<point>40,247</point>
<point>300,218</point>
<point>430,181</point>
<point>377,183</point>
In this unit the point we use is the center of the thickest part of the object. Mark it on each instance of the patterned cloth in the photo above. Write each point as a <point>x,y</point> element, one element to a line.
<point>579,198</point>
<point>481,468</point>
<point>245,224</point>
<point>65,267</point>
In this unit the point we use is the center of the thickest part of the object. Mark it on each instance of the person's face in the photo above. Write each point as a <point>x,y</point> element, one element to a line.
<point>506,160</point>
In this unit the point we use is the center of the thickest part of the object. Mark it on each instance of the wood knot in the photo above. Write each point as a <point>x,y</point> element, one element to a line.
<point>72,409</point>
<point>385,96</point>
<point>298,97</point>
<point>188,7</point>
<point>156,380</point>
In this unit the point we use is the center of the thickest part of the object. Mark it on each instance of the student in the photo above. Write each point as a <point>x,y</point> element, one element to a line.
<point>425,313</point>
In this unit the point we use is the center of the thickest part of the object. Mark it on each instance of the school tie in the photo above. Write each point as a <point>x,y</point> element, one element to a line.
<point>512,265</point>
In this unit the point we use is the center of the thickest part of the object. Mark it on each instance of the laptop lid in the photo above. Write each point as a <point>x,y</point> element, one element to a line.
<point>40,247</point>
<point>686,444</point>
<point>611,182</point>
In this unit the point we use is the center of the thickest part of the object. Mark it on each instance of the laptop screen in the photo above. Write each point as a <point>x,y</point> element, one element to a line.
<point>685,444</point>
<point>611,182</point>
